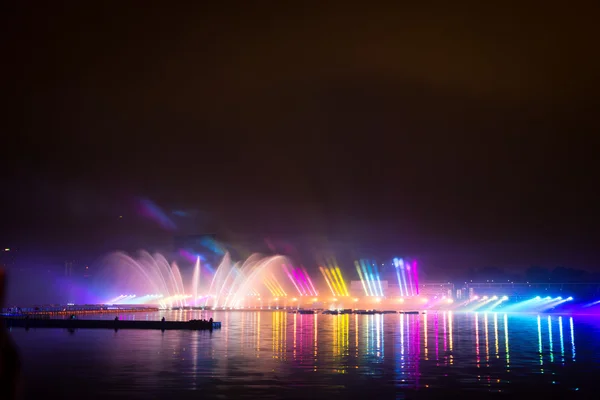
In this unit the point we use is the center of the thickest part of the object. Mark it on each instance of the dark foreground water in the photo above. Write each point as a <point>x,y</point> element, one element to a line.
<point>280,355</point>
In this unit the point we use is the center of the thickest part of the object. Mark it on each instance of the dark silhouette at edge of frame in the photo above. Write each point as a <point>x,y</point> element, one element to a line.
<point>10,371</point>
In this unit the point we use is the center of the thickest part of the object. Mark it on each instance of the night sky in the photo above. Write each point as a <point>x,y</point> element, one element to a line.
<point>463,135</point>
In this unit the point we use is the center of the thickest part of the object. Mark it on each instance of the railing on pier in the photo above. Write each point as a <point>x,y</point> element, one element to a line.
<point>53,311</point>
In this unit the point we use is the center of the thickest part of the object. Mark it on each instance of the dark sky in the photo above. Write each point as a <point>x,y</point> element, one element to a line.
<point>434,129</point>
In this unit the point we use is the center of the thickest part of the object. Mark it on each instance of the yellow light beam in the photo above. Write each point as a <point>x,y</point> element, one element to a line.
<point>333,282</point>
<point>327,280</point>
<point>338,284</point>
<point>268,285</point>
<point>333,278</point>
<point>273,285</point>
<point>339,272</point>
<point>279,287</point>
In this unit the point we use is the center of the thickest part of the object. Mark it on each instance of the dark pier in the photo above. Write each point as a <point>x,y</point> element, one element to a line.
<point>108,324</point>
<point>59,311</point>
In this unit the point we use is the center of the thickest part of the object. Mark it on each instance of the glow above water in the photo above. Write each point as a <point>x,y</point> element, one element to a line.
<point>274,282</point>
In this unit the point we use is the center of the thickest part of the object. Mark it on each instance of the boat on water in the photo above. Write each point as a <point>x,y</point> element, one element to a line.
<point>306,312</point>
<point>371,312</point>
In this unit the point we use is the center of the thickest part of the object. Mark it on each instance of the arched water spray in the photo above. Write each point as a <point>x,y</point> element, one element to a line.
<point>178,283</point>
<point>253,272</point>
<point>121,266</point>
<point>150,279</point>
<point>217,281</point>
<point>159,267</point>
<point>149,275</point>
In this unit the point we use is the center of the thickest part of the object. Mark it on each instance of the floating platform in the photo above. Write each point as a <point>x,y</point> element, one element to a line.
<point>109,324</point>
<point>307,312</point>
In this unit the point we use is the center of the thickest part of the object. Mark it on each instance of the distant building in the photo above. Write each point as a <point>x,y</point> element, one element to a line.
<point>441,289</point>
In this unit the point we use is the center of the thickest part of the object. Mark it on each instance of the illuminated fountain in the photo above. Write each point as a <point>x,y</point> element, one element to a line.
<point>264,282</point>
<point>273,282</point>
<point>334,279</point>
<point>234,282</point>
<point>232,285</point>
<point>152,275</point>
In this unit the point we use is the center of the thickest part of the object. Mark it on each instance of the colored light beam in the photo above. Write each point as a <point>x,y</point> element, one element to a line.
<point>410,282</point>
<point>362,279</point>
<point>152,211</point>
<point>556,302</point>
<point>128,299</point>
<point>372,277</point>
<point>340,281</point>
<point>299,282</point>
<point>334,281</point>
<point>142,299</point>
<point>322,269</point>
<point>497,303</point>
<point>336,278</point>
<point>594,303</point>
<point>403,274</point>
<point>397,265</point>
<point>343,283</point>
<point>399,276</point>
<point>366,275</point>
<point>339,284</point>
<point>378,278</point>
<point>270,287</point>
<point>484,300</point>
<point>188,255</point>
<point>298,279</point>
<point>522,304</point>
<point>416,276</point>
<point>334,284</point>
<point>314,291</point>
<point>213,245</point>
<point>287,272</point>
<point>280,289</point>
<point>304,281</point>
<point>115,300</point>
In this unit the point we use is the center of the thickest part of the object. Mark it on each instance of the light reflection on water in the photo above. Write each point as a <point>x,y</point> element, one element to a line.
<point>266,352</point>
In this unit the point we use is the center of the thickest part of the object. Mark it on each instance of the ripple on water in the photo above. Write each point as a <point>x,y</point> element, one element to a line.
<point>279,355</point>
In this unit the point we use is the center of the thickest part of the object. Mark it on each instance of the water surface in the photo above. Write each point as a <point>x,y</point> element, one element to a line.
<point>273,354</point>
